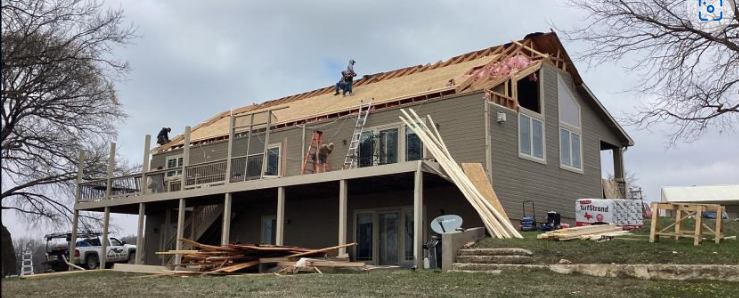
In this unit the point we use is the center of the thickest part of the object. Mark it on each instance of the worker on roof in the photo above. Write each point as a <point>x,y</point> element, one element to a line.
<point>341,83</point>
<point>348,76</point>
<point>323,152</point>
<point>163,136</point>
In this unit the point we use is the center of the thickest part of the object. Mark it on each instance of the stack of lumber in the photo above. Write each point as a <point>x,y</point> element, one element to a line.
<point>236,258</point>
<point>596,232</point>
<point>495,222</point>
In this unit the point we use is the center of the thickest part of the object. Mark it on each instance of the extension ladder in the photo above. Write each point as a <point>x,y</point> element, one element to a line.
<point>351,157</point>
<point>310,154</point>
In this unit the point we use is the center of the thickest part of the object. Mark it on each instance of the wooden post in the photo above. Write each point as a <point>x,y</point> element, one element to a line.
<point>226,228</point>
<point>265,155</point>
<point>229,150</point>
<point>77,199</point>
<point>488,145</point>
<point>698,225</point>
<point>140,235</point>
<point>73,240</point>
<point>618,171</point>
<point>145,165</point>
<point>719,224</point>
<point>280,233</point>
<point>111,168</point>
<point>180,230</point>
<point>678,222</point>
<point>104,252</point>
<point>302,147</point>
<point>343,192</point>
<point>194,222</point>
<point>185,157</point>
<point>418,217</point>
<point>653,237</point>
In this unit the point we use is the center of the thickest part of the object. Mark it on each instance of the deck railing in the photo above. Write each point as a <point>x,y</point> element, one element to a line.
<point>208,173</point>
<point>125,185</point>
<point>93,190</point>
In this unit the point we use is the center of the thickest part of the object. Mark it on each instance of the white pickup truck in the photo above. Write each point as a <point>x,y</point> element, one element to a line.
<point>87,251</point>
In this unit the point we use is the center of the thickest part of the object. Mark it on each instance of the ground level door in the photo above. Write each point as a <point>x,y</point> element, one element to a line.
<point>384,236</point>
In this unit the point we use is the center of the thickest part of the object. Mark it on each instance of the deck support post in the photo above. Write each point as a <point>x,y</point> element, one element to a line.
<point>104,252</point>
<point>140,235</point>
<point>226,228</point>
<point>73,240</point>
<point>343,192</point>
<point>77,199</point>
<point>180,230</point>
<point>618,171</point>
<point>166,233</point>
<point>418,217</point>
<point>280,233</point>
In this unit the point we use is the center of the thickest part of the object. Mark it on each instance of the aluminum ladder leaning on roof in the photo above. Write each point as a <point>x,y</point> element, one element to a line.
<point>351,157</point>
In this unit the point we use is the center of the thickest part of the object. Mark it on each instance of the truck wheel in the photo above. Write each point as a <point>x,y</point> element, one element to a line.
<point>92,262</point>
<point>132,257</point>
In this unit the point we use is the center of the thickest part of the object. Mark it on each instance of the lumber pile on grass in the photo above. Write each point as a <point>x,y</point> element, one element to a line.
<point>595,233</point>
<point>240,258</point>
<point>496,223</point>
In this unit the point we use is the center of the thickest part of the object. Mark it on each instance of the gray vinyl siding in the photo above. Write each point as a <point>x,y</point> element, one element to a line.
<point>550,187</point>
<point>460,120</point>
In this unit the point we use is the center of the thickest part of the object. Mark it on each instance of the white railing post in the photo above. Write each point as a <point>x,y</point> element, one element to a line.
<point>343,191</point>
<point>265,155</point>
<point>140,235</point>
<point>226,229</point>
<point>418,217</point>
<point>104,252</point>
<point>185,158</point>
<point>280,233</point>
<point>111,167</point>
<point>145,164</point>
<point>229,150</point>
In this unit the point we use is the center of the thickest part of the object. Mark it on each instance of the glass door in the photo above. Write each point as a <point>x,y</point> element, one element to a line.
<point>389,248</point>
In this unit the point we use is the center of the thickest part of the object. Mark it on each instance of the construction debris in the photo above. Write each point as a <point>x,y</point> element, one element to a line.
<point>594,233</point>
<point>241,258</point>
<point>496,223</point>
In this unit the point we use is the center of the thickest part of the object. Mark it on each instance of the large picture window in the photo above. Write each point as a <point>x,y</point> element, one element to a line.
<point>273,161</point>
<point>388,146</point>
<point>413,146</point>
<point>570,128</point>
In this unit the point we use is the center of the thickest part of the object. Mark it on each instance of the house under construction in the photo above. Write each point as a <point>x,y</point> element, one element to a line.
<point>520,109</point>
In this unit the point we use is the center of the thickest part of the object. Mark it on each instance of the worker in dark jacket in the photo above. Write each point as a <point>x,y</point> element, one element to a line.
<point>163,136</point>
<point>349,77</point>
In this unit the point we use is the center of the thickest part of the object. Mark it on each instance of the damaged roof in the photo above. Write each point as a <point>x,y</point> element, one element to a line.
<point>405,85</point>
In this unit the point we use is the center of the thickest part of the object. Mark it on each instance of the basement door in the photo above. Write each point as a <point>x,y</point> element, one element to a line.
<point>384,236</point>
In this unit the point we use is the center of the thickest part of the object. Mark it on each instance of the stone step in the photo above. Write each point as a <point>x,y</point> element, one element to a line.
<point>467,267</point>
<point>494,252</point>
<point>494,259</point>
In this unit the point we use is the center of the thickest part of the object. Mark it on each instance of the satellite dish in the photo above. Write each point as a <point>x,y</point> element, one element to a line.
<point>446,223</point>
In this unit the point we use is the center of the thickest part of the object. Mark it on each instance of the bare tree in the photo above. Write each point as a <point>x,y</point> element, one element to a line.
<point>692,73</point>
<point>58,98</point>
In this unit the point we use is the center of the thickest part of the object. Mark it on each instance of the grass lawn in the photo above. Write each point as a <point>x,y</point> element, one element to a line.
<point>630,250</point>
<point>511,283</point>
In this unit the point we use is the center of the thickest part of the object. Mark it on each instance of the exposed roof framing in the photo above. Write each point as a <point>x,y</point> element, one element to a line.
<point>403,86</point>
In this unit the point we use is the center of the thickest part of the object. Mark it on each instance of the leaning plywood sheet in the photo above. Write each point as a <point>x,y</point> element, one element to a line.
<point>477,175</point>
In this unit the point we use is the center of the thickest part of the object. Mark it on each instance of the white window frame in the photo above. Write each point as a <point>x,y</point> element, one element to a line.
<point>570,129</point>
<point>538,117</point>
<point>177,170</point>
<point>279,159</point>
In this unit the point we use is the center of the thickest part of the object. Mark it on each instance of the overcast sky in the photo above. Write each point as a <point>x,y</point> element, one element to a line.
<point>194,59</point>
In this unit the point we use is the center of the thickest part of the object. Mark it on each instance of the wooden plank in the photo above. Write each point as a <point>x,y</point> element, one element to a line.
<point>131,268</point>
<point>208,247</point>
<point>698,227</point>
<point>327,249</point>
<point>177,252</point>
<point>719,225</point>
<point>237,267</point>
<point>53,274</point>
<point>479,179</point>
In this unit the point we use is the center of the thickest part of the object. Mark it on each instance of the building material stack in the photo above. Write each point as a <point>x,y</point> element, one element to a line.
<point>241,258</point>
<point>496,223</point>
<point>596,232</point>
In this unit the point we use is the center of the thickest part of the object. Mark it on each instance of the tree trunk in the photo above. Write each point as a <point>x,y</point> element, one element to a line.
<point>8,254</point>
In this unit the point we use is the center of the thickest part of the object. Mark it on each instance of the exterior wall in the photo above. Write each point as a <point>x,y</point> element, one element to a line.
<point>153,232</point>
<point>551,188</point>
<point>459,118</point>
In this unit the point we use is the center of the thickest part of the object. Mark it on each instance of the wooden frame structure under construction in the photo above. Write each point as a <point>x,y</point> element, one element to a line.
<point>683,212</point>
